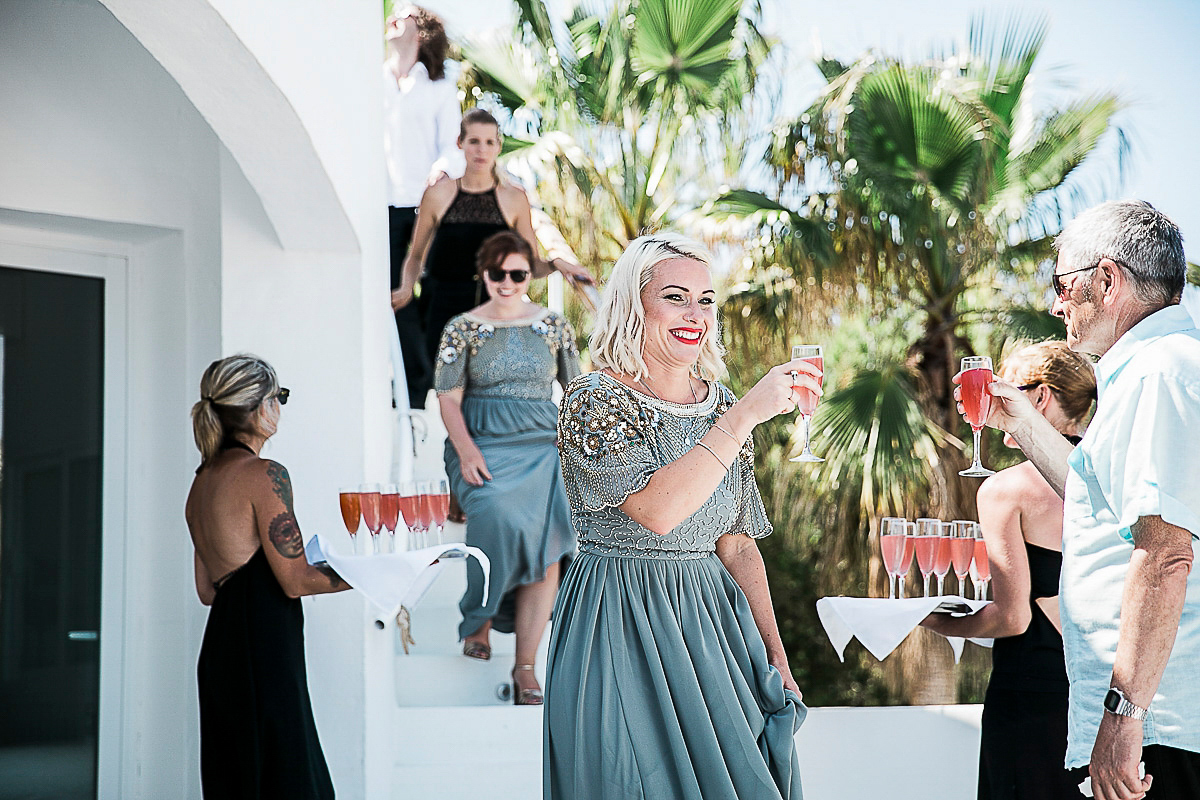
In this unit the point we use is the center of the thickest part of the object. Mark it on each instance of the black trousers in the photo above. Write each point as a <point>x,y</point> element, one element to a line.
<point>418,369</point>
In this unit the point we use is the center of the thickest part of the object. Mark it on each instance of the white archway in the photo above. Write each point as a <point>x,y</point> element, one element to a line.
<point>250,115</point>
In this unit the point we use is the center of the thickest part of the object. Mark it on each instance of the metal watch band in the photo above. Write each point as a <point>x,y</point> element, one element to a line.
<point>1123,708</point>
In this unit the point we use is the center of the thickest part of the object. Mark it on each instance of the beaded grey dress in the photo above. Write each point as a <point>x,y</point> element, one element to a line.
<point>657,682</point>
<point>520,517</point>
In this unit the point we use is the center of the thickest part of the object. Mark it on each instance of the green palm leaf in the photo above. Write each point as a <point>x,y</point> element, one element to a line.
<point>875,437</point>
<point>905,129</point>
<point>685,42</point>
<point>755,208</point>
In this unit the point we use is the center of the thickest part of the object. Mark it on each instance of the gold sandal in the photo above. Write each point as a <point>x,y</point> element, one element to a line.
<point>525,697</point>
<point>477,650</point>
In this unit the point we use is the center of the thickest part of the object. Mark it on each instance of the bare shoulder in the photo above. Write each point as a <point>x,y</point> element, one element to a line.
<point>273,477</point>
<point>511,195</point>
<point>437,198</point>
<point>1019,483</point>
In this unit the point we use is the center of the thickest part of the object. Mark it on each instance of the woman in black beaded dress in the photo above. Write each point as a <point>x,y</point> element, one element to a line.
<point>1024,733</point>
<point>453,220</point>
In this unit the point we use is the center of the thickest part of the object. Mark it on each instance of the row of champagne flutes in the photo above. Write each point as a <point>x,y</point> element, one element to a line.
<point>938,546</point>
<point>419,505</point>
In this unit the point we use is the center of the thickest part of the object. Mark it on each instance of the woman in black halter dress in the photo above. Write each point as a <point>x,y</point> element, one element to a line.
<point>453,220</point>
<point>257,734</point>
<point>1023,739</point>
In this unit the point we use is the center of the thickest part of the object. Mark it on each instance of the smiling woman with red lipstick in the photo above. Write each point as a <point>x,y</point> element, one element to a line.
<point>665,647</point>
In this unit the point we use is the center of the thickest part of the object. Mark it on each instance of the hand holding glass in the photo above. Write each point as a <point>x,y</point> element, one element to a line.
<point>806,399</point>
<point>976,402</point>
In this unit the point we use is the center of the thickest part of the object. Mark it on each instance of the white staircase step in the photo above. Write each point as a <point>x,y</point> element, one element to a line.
<point>504,746</point>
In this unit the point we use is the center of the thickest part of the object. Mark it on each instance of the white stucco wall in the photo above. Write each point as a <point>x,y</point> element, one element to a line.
<point>103,151</point>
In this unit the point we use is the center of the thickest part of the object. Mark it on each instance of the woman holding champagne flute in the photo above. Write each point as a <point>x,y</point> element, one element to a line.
<point>666,675</point>
<point>1024,735</point>
<point>495,372</point>
<point>257,735</point>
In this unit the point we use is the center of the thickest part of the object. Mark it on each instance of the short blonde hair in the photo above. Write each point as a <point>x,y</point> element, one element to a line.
<point>619,333</point>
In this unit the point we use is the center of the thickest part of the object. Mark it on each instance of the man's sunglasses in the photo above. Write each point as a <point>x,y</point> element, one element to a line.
<point>1056,283</point>
<point>1056,279</point>
<point>496,275</point>
<point>282,395</point>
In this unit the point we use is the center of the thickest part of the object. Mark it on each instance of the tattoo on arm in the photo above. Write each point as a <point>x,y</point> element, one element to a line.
<point>335,580</point>
<point>281,483</point>
<point>284,533</point>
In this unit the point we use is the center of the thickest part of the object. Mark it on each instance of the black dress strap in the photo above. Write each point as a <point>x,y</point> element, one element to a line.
<point>231,444</point>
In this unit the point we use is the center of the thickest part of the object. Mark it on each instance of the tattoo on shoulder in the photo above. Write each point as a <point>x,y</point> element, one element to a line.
<point>335,580</point>
<point>284,533</point>
<point>281,482</point>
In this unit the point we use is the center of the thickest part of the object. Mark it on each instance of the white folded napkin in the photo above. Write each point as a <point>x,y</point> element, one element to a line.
<point>392,580</point>
<point>881,624</point>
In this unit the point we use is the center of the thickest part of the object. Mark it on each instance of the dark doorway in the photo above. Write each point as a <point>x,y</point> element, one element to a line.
<point>51,418</point>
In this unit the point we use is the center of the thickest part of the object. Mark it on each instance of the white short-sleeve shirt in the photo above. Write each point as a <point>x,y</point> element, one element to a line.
<point>1140,457</point>
<point>421,121</point>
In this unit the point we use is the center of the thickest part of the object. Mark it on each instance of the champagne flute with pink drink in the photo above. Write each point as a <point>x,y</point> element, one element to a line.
<point>409,501</point>
<point>977,402</point>
<point>962,551</point>
<point>893,546</point>
<point>425,510</point>
<point>371,500</point>
<point>942,556</point>
<point>351,511</point>
<point>440,497</point>
<point>928,533</point>
<point>906,558</point>
<point>982,567</point>
<point>806,399</point>
<point>390,509</point>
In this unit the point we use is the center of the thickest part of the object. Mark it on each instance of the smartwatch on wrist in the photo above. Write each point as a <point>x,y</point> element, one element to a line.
<point>1116,703</point>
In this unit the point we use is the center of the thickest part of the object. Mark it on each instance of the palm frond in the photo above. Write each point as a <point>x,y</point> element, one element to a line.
<point>688,43</point>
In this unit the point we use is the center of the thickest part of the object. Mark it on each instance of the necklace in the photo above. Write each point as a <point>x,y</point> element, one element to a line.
<point>695,399</point>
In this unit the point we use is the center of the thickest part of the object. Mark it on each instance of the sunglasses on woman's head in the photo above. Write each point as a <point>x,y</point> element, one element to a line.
<point>282,395</point>
<point>496,275</point>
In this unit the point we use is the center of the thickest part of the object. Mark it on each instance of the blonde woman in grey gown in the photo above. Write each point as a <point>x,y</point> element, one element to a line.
<point>666,678</point>
<point>495,374</point>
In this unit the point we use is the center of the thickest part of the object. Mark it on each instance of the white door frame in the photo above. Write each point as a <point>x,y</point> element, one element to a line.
<point>87,256</point>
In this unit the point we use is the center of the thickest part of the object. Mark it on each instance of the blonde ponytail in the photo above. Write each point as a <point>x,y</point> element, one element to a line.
<point>231,391</point>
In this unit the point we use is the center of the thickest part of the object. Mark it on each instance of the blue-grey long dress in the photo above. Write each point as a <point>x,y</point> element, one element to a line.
<point>658,684</point>
<point>520,517</point>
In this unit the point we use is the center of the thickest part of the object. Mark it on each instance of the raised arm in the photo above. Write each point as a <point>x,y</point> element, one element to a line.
<point>1012,412</point>
<point>677,489</point>
<point>280,536</point>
